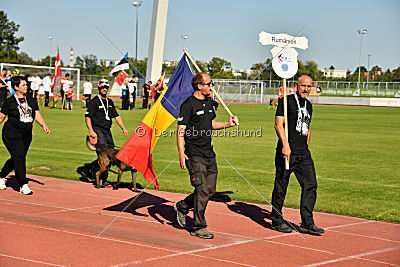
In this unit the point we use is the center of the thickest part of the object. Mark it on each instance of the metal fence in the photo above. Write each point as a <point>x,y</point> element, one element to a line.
<point>260,91</point>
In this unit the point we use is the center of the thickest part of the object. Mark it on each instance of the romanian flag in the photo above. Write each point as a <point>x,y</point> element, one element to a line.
<point>137,151</point>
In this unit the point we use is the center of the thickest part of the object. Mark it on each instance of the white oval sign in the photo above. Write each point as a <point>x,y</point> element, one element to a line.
<point>285,64</point>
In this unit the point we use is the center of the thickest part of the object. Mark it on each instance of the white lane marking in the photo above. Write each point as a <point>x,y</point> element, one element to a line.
<point>191,252</point>
<point>349,224</point>
<point>89,236</point>
<point>71,209</point>
<point>119,241</point>
<point>366,236</point>
<point>24,259</point>
<point>77,209</point>
<point>357,256</point>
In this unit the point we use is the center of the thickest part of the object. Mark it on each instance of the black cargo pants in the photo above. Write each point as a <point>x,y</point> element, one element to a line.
<point>203,176</point>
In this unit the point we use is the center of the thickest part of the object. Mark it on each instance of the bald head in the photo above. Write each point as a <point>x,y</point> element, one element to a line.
<point>304,86</point>
<point>304,77</point>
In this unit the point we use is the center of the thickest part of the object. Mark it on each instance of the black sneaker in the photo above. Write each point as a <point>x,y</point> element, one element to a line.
<point>283,228</point>
<point>311,229</point>
<point>202,233</point>
<point>180,216</point>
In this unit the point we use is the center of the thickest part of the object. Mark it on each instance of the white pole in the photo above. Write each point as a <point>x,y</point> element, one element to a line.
<point>359,63</point>
<point>50,38</point>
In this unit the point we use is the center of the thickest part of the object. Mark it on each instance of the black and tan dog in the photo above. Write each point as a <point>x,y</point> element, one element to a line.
<point>106,159</point>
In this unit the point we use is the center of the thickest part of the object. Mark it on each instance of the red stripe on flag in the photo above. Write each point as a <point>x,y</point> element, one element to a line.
<point>136,153</point>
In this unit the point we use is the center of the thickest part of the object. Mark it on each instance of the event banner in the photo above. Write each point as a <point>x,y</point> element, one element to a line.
<point>358,92</point>
<point>384,102</point>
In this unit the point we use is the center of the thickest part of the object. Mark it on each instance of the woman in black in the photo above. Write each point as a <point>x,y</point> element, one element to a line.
<point>21,110</point>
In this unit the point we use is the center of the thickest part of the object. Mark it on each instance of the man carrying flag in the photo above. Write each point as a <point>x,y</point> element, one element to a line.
<point>194,137</point>
<point>137,151</point>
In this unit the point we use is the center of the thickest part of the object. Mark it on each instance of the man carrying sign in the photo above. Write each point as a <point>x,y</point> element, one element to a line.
<point>296,149</point>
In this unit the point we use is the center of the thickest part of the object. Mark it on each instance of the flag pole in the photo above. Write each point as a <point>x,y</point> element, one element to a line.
<point>212,88</point>
<point>286,118</point>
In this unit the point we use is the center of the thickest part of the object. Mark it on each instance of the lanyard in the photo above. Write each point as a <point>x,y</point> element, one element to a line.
<point>105,109</point>
<point>298,104</point>
<point>26,104</point>
<point>302,117</point>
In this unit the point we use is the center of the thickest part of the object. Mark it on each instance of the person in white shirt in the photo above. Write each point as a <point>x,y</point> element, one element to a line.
<point>66,84</point>
<point>87,91</point>
<point>36,82</point>
<point>47,88</point>
<point>132,92</point>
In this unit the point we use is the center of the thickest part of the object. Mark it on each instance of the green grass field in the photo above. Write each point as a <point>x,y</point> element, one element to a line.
<point>355,150</point>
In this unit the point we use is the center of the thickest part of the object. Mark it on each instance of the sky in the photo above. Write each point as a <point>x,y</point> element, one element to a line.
<point>216,28</point>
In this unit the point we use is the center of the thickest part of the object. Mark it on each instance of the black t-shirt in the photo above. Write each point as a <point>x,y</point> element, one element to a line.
<point>197,115</point>
<point>101,113</point>
<point>20,115</point>
<point>297,141</point>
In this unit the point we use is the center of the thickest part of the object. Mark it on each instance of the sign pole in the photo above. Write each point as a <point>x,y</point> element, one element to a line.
<point>286,118</point>
<point>212,88</point>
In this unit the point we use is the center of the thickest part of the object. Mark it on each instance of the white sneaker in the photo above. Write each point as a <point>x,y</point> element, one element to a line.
<point>25,190</point>
<point>3,183</point>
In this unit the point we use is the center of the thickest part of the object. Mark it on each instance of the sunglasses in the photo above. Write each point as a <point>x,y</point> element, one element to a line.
<point>211,83</point>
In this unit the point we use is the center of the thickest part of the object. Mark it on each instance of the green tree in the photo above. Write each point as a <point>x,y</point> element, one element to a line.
<point>79,63</point>
<point>376,68</point>
<point>310,69</point>
<point>23,58</point>
<point>363,69</point>
<point>8,41</point>
<point>331,67</point>
<point>217,68</point>
<point>91,66</point>
<point>396,75</point>
<point>202,65</point>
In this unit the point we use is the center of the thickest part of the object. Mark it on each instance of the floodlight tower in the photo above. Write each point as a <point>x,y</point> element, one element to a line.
<point>361,32</point>
<point>184,38</point>
<point>137,5</point>
<point>50,38</point>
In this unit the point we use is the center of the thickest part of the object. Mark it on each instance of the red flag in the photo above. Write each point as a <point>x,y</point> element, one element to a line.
<point>161,80</point>
<point>121,77</point>
<point>56,71</point>
<point>137,152</point>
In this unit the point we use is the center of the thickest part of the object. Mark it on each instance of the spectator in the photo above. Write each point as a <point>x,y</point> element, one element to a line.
<point>70,93</point>
<point>8,81</point>
<point>3,87</point>
<point>36,82</point>
<point>132,92</point>
<point>65,85</point>
<point>125,95</point>
<point>87,91</point>
<point>47,88</point>
<point>146,90</point>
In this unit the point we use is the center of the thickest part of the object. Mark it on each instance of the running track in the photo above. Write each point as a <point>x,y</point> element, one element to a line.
<point>58,225</point>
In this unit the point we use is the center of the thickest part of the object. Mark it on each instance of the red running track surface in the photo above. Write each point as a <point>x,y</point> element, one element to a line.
<point>58,225</point>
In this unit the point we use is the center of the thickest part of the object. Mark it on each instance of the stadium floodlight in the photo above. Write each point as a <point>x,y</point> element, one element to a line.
<point>50,38</point>
<point>184,38</point>
<point>137,5</point>
<point>361,32</point>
